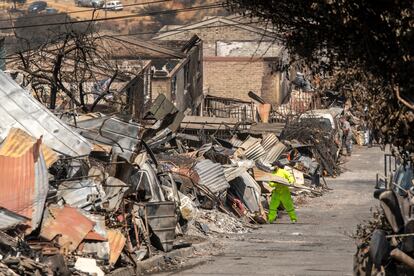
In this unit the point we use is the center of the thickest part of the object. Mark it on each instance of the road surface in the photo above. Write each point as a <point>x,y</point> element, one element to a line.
<point>320,244</point>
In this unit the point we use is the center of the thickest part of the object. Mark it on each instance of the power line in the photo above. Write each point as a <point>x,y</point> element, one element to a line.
<point>87,10</point>
<point>196,28</point>
<point>13,56</point>
<point>175,11</point>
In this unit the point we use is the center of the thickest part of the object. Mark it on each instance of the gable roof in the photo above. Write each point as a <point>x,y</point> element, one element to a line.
<point>126,47</point>
<point>233,20</point>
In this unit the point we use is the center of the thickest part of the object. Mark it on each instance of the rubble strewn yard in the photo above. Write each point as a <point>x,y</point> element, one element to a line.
<point>320,244</point>
<point>230,137</point>
<point>101,194</point>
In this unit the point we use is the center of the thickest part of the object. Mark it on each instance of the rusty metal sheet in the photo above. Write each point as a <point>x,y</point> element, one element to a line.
<point>18,141</point>
<point>94,236</point>
<point>116,244</point>
<point>23,180</point>
<point>67,222</point>
<point>18,109</point>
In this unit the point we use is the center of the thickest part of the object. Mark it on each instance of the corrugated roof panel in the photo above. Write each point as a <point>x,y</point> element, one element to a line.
<point>211,175</point>
<point>9,219</point>
<point>17,183</point>
<point>274,153</point>
<point>249,142</point>
<point>255,151</point>
<point>18,141</point>
<point>269,140</point>
<point>248,191</point>
<point>19,109</point>
<point>24,181</point>
<point>232,171</point>
<point>251,149</point>
<point>236,142</point>
<point>41,189</point>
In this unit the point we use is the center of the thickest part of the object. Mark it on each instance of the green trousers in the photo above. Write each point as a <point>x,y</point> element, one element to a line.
<point>281,194</point>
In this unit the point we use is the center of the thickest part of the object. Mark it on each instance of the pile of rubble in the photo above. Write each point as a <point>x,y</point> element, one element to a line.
<point>90,193</point>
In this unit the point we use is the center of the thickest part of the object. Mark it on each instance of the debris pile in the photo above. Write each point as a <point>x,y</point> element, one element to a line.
<point>91,193</point>
<point>321,129</point>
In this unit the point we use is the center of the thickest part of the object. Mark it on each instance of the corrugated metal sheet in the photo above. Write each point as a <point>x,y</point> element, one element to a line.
<point>232,171</point>
<point>274,153</point>
<point>269,140</point>
<point>41,189</point>
<point>247,189</point>
<point>2,54</point>
<point>211,175</point>
<point>24,181</point>
<point>9,219</point>
<point>107,130</point>
<point>81,193</point>
<point>253,149</point>
<point>19,109</point>
<point>68,223</point>
<point>116,244</point>
<point>236,142</point>
<point>17,142</point>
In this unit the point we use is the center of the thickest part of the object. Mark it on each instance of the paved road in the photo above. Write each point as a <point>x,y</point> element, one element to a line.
<point>319,244</point>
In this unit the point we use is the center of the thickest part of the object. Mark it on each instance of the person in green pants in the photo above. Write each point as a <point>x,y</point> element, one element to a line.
<point>281,194</point>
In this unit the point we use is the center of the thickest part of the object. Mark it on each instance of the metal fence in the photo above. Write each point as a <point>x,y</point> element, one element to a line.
<point>229,108</point>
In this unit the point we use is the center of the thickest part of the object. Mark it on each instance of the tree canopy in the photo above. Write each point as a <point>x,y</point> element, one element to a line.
<point>370,42</point>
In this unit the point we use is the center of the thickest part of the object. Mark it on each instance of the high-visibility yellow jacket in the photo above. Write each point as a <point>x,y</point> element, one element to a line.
<point>282,173</point>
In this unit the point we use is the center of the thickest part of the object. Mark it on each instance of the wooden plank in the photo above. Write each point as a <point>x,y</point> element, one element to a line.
<point>263,176</point>
<point>208,123</point>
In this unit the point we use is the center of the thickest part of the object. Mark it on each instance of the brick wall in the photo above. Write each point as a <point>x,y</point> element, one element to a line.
<point>227,77</point>
<point>230,78</point>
